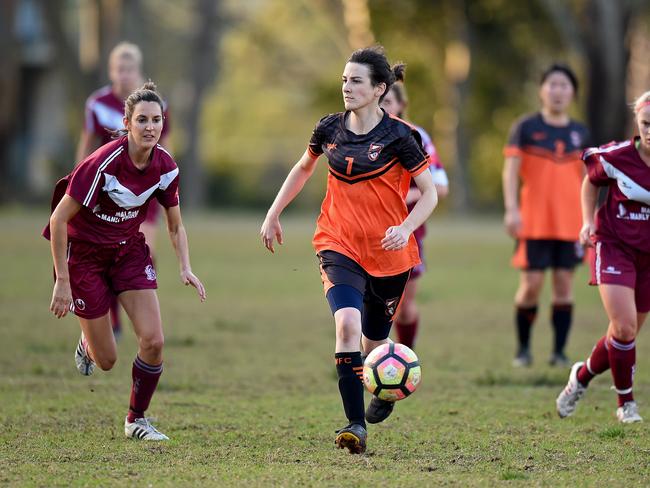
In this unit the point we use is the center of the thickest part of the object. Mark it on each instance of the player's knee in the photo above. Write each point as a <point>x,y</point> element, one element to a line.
<point>624,330</point>
<point>106,361</point>
<point>153,345</point>
<point>348,328</point>
<point>407,312</point>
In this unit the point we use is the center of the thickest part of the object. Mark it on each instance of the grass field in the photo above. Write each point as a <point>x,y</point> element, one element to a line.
<point>249,393</point>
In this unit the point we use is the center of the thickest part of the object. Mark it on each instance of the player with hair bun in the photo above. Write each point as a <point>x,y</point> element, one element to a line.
<point>103,116</point>
<point>619,232</point>
<point>407,318</point>
<point>99,252</point>
<point>364,234</point>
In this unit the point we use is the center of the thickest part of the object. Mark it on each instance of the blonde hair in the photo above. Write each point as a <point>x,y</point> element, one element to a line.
<point>640,102</point>
<point>126,50</point>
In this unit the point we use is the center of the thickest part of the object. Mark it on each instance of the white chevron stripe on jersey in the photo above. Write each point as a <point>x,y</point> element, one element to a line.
<point>98,175</point>
<point>630,188</point>
<point>128,200</point>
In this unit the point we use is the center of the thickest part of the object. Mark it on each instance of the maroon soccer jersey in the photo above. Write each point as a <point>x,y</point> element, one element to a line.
<point>625,215</point>
<point>104,110</point>
<point>114,194</point>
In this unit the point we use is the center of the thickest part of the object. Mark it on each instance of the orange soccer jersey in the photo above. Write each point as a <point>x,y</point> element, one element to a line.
<point>369,176</point>
<point>551,173</point>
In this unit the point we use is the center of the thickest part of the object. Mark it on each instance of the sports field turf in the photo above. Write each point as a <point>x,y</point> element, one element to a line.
<point>249,393</point>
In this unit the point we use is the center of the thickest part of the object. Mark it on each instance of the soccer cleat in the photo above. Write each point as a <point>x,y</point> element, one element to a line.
<point>567,400</point>
<point>523,359</point>
<point>628,413</point>
<point>378,410</point>
<point>558,359</point>
<point>143,430</point>
<point>85,365</point>
<point>353,438</point>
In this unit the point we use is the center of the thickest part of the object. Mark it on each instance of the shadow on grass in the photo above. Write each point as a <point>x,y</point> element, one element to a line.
<point>536,380</point>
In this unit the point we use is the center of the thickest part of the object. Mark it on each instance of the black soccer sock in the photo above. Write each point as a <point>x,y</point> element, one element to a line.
<point>350,371</point>
<point>524,318</point>
<point>561,318</point>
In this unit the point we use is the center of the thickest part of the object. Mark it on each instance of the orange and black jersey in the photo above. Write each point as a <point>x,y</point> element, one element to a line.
<point>551,174</point>
<point>369,176</point>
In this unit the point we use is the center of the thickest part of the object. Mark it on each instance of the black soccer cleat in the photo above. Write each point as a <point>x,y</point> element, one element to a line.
<point>353,438</point>
<point>378,410</point>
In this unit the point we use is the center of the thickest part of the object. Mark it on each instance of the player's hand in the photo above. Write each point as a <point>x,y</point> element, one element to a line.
<point>512,222</point>
<point>587,234</point>
<point>61,298</point>
<point>188,278</point>
<point>271,230</point>
<point>397,237</point>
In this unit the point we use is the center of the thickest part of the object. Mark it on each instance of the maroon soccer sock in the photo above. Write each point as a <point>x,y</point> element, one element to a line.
<point>406,332</point>
<point>116,321</point>
<point>596,364</point>
<point>145,379</point>
<point>622,356</point>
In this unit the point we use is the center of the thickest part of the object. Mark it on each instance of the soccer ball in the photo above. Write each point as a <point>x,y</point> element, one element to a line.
<point>392,372</point>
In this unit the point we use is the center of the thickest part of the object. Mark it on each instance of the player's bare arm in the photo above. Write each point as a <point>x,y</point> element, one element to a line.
<point>298,176</point>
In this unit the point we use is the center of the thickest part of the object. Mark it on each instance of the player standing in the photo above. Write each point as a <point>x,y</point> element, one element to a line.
<point>364,232</point>
<point>620,265</point>
<point>104,114</point>
<point>543,152</point>
<point>407,317</point>
<point>98,250</point>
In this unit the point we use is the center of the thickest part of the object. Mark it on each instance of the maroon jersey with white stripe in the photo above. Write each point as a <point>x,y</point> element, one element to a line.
<point>105,111</point>
<point>625,215</point>
<point>114,194</point>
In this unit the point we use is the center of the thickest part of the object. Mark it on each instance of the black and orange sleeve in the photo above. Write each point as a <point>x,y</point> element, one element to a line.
<point>515,141</point>
<point>411,155</point>
<point>317,140</point>
<point>595,169</point>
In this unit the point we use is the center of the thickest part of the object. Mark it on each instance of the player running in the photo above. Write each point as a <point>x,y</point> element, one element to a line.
<point>620,265</point>
<point>98,250</point>
<point>364,233</point>
<point>407,317</point>
<point>543,152</point>
<point>104,114</point>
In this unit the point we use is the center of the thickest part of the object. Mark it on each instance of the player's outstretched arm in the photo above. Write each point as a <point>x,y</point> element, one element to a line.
<point>512,217</point>
<point>398,236</point>
<point>178,236</point>
<point>299,174</point>
<point>67,208</point>
<point>588,198</point>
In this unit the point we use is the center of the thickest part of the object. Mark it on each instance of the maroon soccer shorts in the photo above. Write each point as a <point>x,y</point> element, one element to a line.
<point>419,269</point>
<point>614,263</point>
<point>99,272</point>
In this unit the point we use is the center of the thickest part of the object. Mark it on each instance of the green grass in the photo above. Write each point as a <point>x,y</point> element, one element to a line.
<point>248,395</point>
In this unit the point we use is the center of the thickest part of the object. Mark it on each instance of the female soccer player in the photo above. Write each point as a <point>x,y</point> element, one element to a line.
<point>104,114</point>
<point>364,232</point>
<point>620,266</point>
<point>543,152</point>
<point>98,250</point>
<point>407,317</point>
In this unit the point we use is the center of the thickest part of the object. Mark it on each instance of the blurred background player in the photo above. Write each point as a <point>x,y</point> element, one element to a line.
<point>543,153</point>
<point>620,265</point>
<point>407,317</point>
<point>103,115</point>
<point>364,232</point>
<point>99,252</point>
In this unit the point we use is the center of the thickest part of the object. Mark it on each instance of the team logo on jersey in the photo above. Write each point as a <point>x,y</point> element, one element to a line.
<point>331,146</point>
<point>576,140</point>
<point>391,306</point>
<point>539,136</point>
<point>150,272</point>
<point>374,150</point>
<point>79,304</point>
